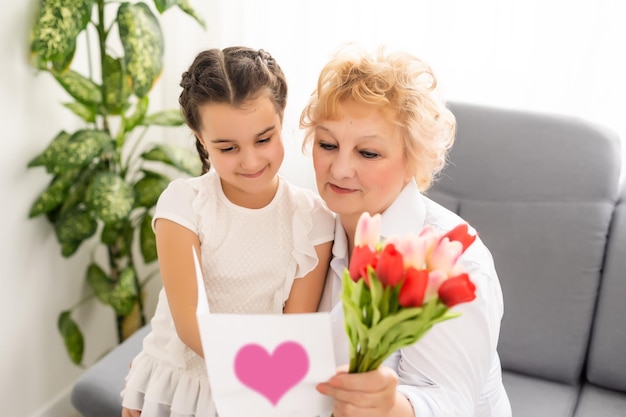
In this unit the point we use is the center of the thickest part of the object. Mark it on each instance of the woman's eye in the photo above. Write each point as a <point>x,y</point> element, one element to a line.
<point>327,146</point>
<point>369,154</point>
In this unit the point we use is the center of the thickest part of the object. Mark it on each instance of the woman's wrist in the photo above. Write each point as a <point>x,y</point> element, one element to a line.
<point>402,407</point>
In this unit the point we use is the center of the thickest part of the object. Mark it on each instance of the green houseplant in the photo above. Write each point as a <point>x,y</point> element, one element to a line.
<point>105,178</point>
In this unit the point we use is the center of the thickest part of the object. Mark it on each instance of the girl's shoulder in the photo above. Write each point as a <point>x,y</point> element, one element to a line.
<point>185,189</point>
<point>305,199</point>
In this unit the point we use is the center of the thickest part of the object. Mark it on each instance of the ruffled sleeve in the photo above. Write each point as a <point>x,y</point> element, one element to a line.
<point>175,204</point>
<point>313,224</point>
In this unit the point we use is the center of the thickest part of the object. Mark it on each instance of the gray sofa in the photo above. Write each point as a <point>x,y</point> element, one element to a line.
<point>543,193</point>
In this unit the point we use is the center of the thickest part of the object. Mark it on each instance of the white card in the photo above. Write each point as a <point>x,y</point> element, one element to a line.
<point>265,365</point>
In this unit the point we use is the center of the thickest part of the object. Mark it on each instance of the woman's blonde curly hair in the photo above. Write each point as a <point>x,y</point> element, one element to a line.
<point>404,88</point>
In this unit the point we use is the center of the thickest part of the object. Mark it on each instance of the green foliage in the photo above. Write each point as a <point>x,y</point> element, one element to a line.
<point>98,180</point>
<point>72,336</point>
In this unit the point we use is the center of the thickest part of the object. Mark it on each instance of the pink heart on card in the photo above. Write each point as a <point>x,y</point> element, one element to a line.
<point>271,375</point>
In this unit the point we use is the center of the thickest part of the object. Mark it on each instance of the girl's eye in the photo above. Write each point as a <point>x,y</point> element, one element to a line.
<point>369,154</point>
<point>264,140</point>
<point>226,150</point>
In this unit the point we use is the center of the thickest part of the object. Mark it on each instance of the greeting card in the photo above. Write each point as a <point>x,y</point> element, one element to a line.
<point>265,365</point>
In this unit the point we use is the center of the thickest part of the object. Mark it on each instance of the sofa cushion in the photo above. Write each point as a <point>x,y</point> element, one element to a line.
<point>97,391</point>
<point>533,397</point>
<point>598,402</point>
<point>540,190</point>
<point>549,264</point>
<point>607,354</point>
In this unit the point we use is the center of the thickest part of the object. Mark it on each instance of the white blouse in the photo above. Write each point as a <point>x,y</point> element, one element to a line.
<point>454,370</point>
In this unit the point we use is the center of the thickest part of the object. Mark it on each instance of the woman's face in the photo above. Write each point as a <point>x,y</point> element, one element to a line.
<point>245,148</point>
<point>359,161</point>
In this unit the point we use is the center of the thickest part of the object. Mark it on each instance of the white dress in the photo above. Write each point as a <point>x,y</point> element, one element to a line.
<point>250,258</point>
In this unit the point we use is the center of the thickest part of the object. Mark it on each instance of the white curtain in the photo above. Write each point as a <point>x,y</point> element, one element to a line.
<point>560,56</point>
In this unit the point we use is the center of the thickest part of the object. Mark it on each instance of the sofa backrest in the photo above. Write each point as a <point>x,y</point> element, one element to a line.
<point>606,366</point>
<point>540,190</point>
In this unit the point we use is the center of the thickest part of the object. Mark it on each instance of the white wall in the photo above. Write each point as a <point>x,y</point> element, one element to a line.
<point>551,55</point>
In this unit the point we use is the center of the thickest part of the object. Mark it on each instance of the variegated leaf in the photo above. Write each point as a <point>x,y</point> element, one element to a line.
<point>81,149</point>
<point>149,188</point>
<point>73,227</point>
<point>183,159</point>
<point>186,7</point>
<point>79,87</point>
<point>138,115</point>
<point>46,158</point>
<point>164,118</point>
<point>140,33</point>
<point>116,84</point>
<point>163,5</point>
<point>87,113</point>
<point>110,197</point>
<point>53,37</point>
<point>70,247</point>
<point>54,195</point>
<point>119,237</point>
<point>78,191</point>
<point>72,337</point>
<point>147,239</point>
<point>99,282</point>
<point>124,294</point>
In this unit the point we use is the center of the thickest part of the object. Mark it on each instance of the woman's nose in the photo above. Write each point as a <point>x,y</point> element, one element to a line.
<point>342,166</point>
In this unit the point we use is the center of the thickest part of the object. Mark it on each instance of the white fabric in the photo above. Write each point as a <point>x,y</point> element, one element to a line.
<point>250,258</point>
<point>454,370</point>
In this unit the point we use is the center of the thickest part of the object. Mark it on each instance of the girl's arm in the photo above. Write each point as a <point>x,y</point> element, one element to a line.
<point>306,292</point>
<point>178,272</point>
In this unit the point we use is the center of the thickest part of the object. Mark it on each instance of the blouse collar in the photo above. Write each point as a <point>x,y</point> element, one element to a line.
<point>407,214</point>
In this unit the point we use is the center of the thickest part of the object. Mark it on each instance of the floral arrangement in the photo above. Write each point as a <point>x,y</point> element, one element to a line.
<point>396,290</point>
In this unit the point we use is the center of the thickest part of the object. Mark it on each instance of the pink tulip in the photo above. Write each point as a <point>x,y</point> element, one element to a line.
<point>367,230</point>
<point>435,279</point>
<point>413,249</point>
<point>444,255</point>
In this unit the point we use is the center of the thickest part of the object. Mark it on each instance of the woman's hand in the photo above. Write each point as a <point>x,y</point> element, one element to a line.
<point>367,394</point>
<point>126,412</point>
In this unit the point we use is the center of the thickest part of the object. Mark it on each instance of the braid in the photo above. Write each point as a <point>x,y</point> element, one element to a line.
<point>204,156</point>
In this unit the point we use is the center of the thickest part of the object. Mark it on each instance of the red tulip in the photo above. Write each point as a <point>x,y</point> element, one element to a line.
<point>457,290</point>
<point>390,267</point>
<point>362,256</point>
<point>461,234</point>
<point>414,287</point>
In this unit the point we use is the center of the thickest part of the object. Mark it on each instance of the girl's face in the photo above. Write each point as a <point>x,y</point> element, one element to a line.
<point>359,162</point>
<point>245,148</point>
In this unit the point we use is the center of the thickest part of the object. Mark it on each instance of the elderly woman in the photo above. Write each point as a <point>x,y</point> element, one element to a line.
<point>380,134</point>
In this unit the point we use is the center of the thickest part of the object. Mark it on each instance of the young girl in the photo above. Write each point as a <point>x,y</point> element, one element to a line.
<point>254,231</point>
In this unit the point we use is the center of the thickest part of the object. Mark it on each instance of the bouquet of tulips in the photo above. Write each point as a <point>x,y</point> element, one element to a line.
<point>396,290</point>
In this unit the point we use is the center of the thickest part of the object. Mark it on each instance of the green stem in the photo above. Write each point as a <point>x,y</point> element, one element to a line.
<point>102,37</point>
<point>83,301</point>
<point>149,278</point>
<point>126,166</point>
